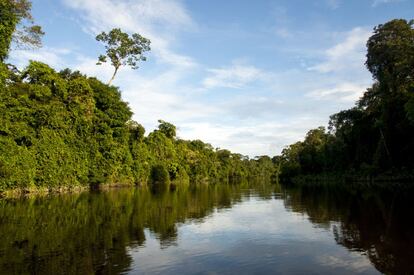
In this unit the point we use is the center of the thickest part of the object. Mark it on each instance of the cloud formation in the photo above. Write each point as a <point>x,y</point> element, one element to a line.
<point>235,76</point>
<point>158,20</point>
<point>346,92</point>
<point>348,54</point>
<point>376,3</point>
<point>254,101</point>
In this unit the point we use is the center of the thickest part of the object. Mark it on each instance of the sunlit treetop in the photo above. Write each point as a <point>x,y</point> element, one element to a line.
<point>123,49</point>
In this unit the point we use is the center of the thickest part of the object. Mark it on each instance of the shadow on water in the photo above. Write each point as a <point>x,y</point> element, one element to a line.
<point>93,232</point>
<point>379,224</point>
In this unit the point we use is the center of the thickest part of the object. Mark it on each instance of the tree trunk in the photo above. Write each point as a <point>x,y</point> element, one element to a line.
<point>385,146</point>
<point>113,76</point>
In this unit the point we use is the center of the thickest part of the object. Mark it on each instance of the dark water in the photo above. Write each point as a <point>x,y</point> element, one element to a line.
<point>209,229</point>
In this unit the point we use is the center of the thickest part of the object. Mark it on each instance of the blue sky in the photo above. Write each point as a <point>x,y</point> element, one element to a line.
<point>249,76</point>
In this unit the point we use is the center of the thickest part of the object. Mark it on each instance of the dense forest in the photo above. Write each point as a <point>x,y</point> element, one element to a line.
<point>375,138</point>
<point>64,129</point>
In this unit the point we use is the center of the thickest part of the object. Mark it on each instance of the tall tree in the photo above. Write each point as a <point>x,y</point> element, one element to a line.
<point>390,56</point>
<point>17,24</point>
<point>390,59</point>
<point>122,49</point>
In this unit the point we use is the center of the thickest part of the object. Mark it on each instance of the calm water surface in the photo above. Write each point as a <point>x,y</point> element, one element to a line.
<point>209,229</point>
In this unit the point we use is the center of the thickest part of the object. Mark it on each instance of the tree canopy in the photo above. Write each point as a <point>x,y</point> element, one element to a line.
<point>123,49</point>
<point>377,135</point>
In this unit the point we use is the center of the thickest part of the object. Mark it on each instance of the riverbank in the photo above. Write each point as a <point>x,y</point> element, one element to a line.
<point>391,179</point>
<point>46,191</point>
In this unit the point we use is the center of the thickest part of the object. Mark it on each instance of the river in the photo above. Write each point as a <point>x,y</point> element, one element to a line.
<point>220,229</point>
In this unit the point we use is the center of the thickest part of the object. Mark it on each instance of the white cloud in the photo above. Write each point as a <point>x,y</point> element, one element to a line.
<point>333,4</point>
<point>158,20</point>
<point>265,110</point>
<point>346,55</point>
<point>132,15</point>
<point>376,3</point>
<point>158,94</point>
<point>345,92</point>
<point>235,76</point>
<point>54,57</point>
<point>341,77</point>
<point>252,137</point>
<point>153,97</point>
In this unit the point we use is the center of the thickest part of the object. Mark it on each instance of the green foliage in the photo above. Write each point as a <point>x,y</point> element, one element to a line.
<point>8,22</point>
<point>377,134</point>
<point>122,50</point>
<point>12,14</point>
<point>390,56</point>
<point>168,129</point>
<point>409,109</point>
<point>17,165</point>
<point>63,129</point>
<point>159,174</point>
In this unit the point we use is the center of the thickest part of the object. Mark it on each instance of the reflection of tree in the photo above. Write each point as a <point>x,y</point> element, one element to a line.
<point>90,232</point>
<point>373,223</point>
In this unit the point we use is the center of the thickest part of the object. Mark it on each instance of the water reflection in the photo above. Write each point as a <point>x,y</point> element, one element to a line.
<point>222,228</point>
<point>91,232</point>
<point>378,224</point>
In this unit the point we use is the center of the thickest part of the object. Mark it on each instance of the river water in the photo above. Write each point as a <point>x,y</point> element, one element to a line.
<point>221,229</point>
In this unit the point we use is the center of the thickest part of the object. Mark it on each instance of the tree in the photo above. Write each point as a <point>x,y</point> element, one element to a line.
<point>17,24</point>
<point>390,56</point>
<point>390,59</point>
<point>168,129</point>
<point>377,134</point>
<point>122,49</point>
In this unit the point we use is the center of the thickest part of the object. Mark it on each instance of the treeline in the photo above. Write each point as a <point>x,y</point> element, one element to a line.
<point>376,136</point>
<point>63,129</point>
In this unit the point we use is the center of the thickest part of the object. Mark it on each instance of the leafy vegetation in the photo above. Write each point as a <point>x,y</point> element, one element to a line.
<point>377,135</point>
<point>64,129</point>
<point>17,24</point>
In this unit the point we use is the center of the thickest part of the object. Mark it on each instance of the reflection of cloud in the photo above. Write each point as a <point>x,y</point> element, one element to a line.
<point>354,262</point>
<point>243,218</point>
<point>256,235</point>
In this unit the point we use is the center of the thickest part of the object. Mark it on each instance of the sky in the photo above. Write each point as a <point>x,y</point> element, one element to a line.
<point>249,76</point>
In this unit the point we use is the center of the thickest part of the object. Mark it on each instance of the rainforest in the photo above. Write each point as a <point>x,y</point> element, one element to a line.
<point>63,130</point>
<point>85,189</point>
